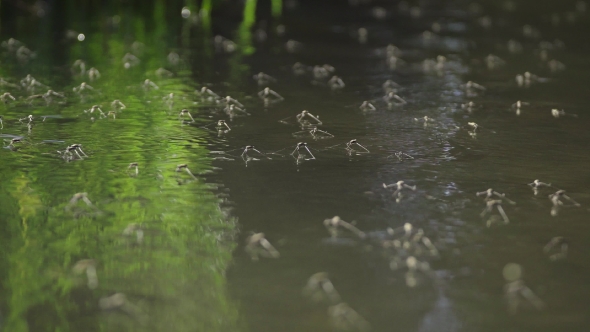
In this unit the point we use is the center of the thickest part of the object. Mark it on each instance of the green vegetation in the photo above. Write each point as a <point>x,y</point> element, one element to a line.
<point>176,276</point>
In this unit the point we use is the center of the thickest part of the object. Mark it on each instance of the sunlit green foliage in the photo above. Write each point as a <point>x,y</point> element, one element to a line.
<point>176,275</point>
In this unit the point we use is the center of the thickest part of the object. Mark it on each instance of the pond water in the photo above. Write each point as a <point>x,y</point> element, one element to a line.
<point>168,248</point>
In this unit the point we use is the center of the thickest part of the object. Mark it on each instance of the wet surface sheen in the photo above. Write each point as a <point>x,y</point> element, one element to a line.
<point>183,276</point>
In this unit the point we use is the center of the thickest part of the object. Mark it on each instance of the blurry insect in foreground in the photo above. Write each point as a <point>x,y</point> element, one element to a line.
<point>366,106</point>
<point>93,74</point>
<point>538,184</point>
<point>184,167</point>
<point>223,44</point>
<point>78,68</point>
<point>390,86</point>
<point>88,266</point>
<point>557,248</point>
<point>185,112</point>
<point>257,245</point>
<point>14,140</point>
<point>322,72</point>
<point>245,153</point>
<point>320,289</point>
<point>119,301</point>
<point>490,193</point>
<point>133,166</point>
<point>344,318</point>
<point>47,96</point>
<point>425,120</point>
<point>117,105</point>
<point>232,111</point>
<point>490,204</point>
<point>336,83</point>
<point>434,65</point>
<point>300,69</point>
<point>130,60</point>
<point>471,88</point>
<point>163,73</point>
<point>229,101</point>
<point>494,62</point>
<point>169,100</point>
<point>559,113</point>
<point>415,269</point>
<point>518,105</point>
<point>82,88</point>
<point>335,224</point>
<point>394,100</point>
<point>556,197</point>
<point>516,292</point>
<point>148,85</point>
<point>399,187</point>
<point>95,108</point>
<point>6,97</point>
<point>207,95</point>
<point>136,229</point>
<point>527,79</point>
<point>270,96</point>
<point>76,198</point>
<point>264,79</point>
<point>469,106</point>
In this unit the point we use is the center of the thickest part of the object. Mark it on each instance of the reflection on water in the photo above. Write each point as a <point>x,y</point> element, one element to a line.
<point>363,212</point>
<point>107,235</point>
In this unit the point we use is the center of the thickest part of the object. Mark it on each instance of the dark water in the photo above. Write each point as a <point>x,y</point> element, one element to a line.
<point>191,272</point>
